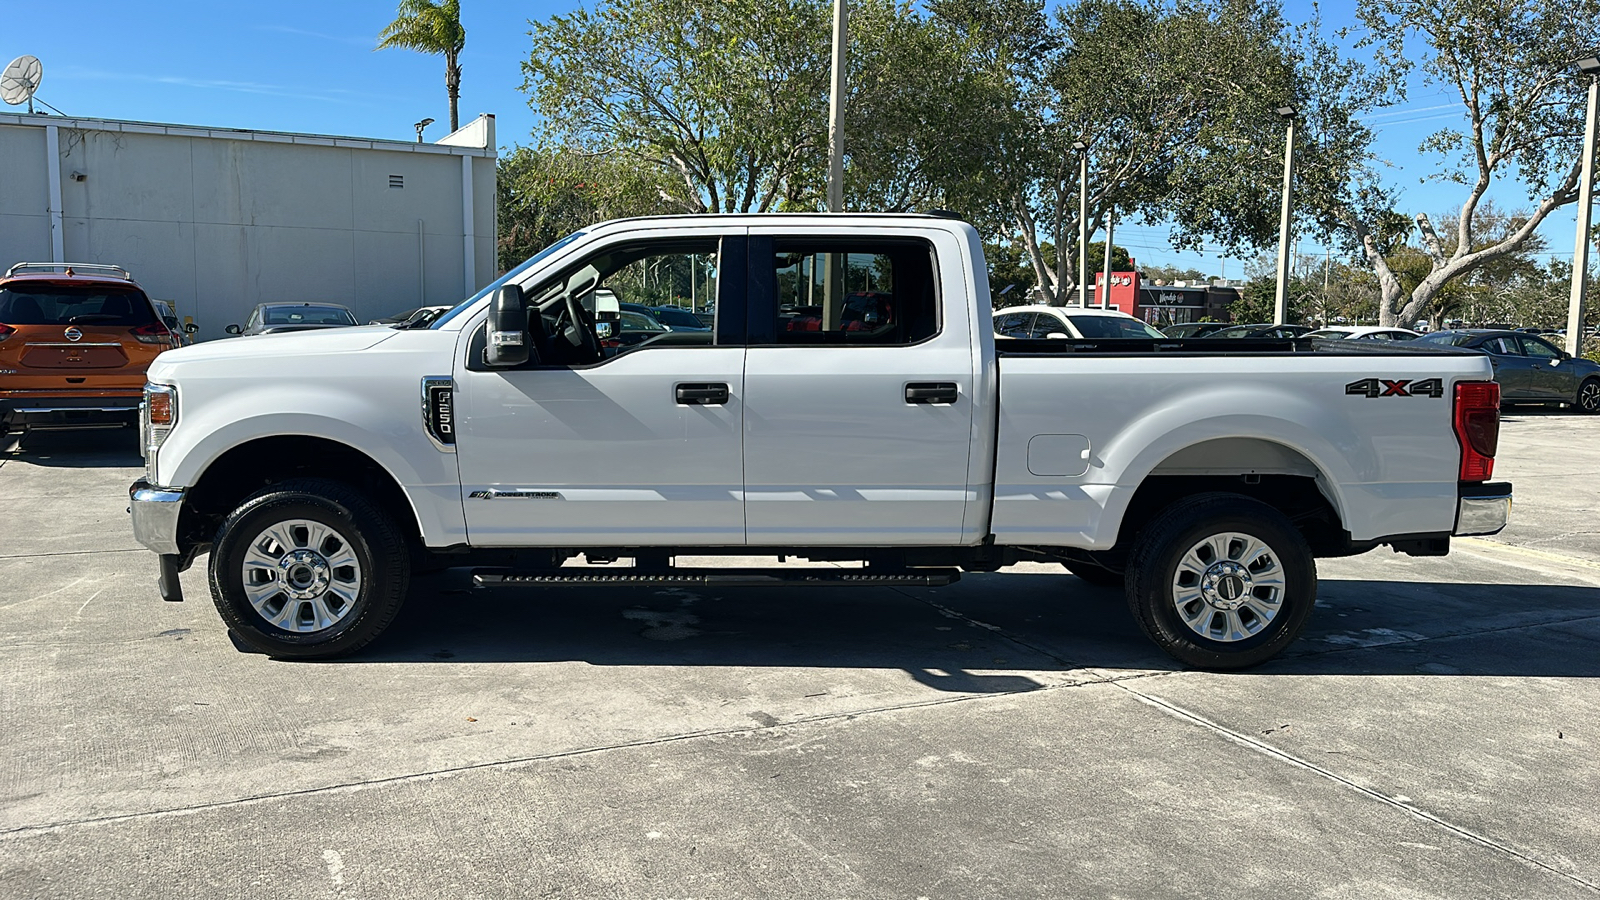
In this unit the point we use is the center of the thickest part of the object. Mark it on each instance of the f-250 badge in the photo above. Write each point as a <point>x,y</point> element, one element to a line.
<point>1383,387</point>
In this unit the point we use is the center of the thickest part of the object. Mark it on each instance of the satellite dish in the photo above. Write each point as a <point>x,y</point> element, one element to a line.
<point>20,80</point>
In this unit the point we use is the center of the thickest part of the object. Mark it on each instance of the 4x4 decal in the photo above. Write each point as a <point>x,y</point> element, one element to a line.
<point>1384,387</point>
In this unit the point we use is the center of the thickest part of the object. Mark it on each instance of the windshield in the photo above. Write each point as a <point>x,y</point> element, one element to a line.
<point>307,315</point>
<point>1237,331</point>
<point>677,318</point>
<point>1112,327</point>
<point>1449,338</point>
<point>71,304</point>
<point>495,285</point>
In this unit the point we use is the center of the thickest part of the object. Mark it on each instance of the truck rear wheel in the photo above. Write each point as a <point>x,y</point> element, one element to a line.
<point>1221,581</point>
<point>308,569</point>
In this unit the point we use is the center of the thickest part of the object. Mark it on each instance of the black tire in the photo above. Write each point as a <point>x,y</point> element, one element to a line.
<point>1237,637</point>
<point>1095,575</point>
<point>1587,399</point>
<point>361,575</point>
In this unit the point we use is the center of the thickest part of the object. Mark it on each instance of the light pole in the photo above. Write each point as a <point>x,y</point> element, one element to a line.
<point>833,263</point>
<point>1590,66</point>
<point>421,125</point>
<point>836,112</point>
<point>1105,278</point>
<point>1083,217</point>
<point>1280,306</point>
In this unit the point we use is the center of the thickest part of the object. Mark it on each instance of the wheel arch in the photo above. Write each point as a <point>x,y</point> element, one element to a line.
<point>1267,468</point>
<point>245,468</point>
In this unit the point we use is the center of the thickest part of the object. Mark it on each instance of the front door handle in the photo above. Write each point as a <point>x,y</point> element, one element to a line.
<point>931,392</point>
<point>702,394</point>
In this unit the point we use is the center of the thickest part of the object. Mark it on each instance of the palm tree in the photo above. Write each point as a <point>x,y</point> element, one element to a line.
<point>429,27</point>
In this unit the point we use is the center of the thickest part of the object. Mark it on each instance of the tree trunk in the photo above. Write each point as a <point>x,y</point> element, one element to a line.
<point>452,83</point>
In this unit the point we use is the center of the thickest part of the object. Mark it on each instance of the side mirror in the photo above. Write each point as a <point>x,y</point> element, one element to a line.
<point>508,329</point>
<point>171,322</point>
<point>191,328</point>
<point>1056,336</point>
<point>233,329</point>
<point>603,330</point>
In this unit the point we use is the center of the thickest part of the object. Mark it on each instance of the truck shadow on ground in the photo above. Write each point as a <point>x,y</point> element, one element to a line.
<point>988,634</point>
<point>100,448</point>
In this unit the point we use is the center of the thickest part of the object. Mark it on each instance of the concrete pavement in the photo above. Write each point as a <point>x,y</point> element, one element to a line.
<point>1013,735</point>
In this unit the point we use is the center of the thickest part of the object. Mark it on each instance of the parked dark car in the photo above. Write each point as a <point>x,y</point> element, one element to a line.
<point>1260,330</point>
<point>274,318</point>
<point>1529,369</point>
<point>1192,329</point>
<point>674,317</point>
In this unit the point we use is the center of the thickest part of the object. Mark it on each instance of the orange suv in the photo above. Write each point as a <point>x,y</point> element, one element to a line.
<point>75,340</point>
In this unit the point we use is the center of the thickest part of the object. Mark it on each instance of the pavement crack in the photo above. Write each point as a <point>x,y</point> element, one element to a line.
<point>73,553</point>
<point>22,831</point>
<point>1284,756</point>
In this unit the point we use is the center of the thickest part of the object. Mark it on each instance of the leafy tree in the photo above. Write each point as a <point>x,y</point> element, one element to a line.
<point>1258,299</point>
<point>429,27</point>
<point>1175,102</point>
<point>1170,274</point>
<point>730,98</point>
<point>1509,62</point>
<point>545,193</point>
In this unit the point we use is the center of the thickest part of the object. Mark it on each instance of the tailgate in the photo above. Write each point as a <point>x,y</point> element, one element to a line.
<point>84,354</point>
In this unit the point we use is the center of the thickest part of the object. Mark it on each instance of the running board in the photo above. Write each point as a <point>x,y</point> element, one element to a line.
<point>715,578</point>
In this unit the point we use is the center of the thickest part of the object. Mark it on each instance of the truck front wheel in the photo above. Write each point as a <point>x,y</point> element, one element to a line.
<point>308,569</point>
<point>1221,581</point>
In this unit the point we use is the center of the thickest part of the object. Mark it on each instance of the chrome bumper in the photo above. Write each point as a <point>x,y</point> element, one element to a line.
<point>155,516</point>
<point>1483,508</point>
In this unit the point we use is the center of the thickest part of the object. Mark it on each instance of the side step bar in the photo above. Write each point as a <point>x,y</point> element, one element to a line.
<point>715,578</point>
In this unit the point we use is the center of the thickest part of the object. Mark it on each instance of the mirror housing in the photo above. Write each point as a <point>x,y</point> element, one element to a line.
<point>1056,336</point>
<point>233,329</point>
<point>191,328</point>
<point>508,329</point>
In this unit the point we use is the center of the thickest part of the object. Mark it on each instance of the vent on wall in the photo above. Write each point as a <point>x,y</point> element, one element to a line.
<point>397,181</point>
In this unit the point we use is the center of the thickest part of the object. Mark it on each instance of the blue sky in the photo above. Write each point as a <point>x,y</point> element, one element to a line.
<point>309,67</point>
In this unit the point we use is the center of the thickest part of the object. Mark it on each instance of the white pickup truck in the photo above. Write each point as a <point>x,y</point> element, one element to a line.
<point>850,403</point>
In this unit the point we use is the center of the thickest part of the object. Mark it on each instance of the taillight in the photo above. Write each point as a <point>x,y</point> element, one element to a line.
<point>6,331</point>
<point>154,333</point>
<point>1477,420</point>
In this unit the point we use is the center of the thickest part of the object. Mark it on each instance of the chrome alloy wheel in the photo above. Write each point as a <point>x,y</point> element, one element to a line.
<point>1228,587</point>
<point>301,575</point>
<point>1589,396</point>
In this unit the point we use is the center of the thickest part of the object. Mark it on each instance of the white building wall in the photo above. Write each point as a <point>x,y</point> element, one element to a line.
<point>218,221</point>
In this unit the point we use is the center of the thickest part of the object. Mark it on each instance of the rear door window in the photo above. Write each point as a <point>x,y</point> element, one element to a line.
<point>70,304</point>
<point>854,291</point>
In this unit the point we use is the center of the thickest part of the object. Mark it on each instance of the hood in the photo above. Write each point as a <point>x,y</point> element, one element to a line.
<point>286,344</point>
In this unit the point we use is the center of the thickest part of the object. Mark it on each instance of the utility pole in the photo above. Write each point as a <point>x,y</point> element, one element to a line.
<point>1280,307</point>
<point>834,263</point>
<point>1083,219</point>
<point>1589,66</point>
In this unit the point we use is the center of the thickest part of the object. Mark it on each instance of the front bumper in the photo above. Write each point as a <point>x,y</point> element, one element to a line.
<point>155,516</point>
<point>68,412</point>
<point>1482,508</point>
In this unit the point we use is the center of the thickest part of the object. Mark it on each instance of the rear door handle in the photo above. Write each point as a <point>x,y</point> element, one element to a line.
<point>702,394</point>
<point>931,392</point>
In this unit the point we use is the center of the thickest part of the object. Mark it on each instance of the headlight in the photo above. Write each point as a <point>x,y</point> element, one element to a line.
<point>157,416</point>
